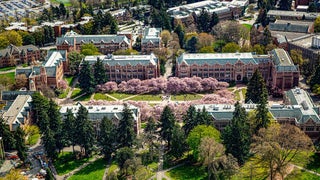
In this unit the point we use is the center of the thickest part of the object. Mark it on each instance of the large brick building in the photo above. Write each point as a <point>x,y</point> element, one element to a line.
<point>49,73</point>
<point>13,55</point>
<point>125,67</point>
<point>106,44</point>
<point>277,68</point>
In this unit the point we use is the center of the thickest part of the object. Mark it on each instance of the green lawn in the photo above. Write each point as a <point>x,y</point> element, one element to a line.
<point>64,94</point>
<point>76,92</point>
<point>113,167</point>
<point>66,163</point>
<point>185,97</point>
<point>237,95</point>
<point>120,95</point>
<point>66,3</point>
<point>143,125</point>
<point>146,97</point>
<point>85,97</point>
<point>298,174</point>
<point>247,26</point>
<point>10,75</point>
<point>188,172</point>
<point>32,140</point>
<point>100,96</point>
<point>93,171</point>
<point>69,79</point>
<point>7,68</point>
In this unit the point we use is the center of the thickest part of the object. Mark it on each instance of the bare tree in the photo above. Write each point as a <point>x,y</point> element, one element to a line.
<point>21,81</point>
<point>276,147</point>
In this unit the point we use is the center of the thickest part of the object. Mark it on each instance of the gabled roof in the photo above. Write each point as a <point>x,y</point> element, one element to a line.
<point>12,48</point>
<point>282,60</point>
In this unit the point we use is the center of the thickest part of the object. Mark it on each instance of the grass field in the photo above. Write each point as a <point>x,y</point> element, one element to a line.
<point>120,95</point>
<point>32,140</point>
<point>10,75</point>
<point>187,172</point>
<point>93,171</point>
<point>185,97</point>
<point>100,96</point>
<point>146,97</point>
<point>85,97</point>
<point>69,79</point>
<point>298,174</point>
<point>7,68</point>
<point>66,163</point>
<point>64,94</point>
<point>247,26</point>
<point>66,3</point>
<point>76,92</point>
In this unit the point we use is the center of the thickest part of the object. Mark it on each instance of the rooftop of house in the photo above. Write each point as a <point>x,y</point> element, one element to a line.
<point>14,113</point>
<point>123,60</point>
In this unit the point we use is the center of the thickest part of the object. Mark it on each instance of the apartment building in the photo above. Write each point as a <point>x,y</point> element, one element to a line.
<point>49,73</point>
<point>125,67</point>
<point>276,67</point>
<point>106,44</point>
<point>16,55</point>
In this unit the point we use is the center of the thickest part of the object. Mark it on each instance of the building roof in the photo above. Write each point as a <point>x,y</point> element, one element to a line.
<point>151,34</point>
<point>289,27</point>
<point>293,14</point>
<point>216,58</point>
<point>97,112</point>
<point>72,37</point>
<point>123,60</point>
<point>17,110</point>
<point>282,60</point>
<point>17,49</point>
<point>301,107</point>
<point>223,111</point>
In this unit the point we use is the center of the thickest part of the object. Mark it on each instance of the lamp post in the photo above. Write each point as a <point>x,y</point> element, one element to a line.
<point>1,148</point>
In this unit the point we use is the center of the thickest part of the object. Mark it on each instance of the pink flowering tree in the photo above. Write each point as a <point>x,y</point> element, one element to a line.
<point>62,84</point>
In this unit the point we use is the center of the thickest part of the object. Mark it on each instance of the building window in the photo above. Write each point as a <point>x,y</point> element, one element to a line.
<point>310,128</point>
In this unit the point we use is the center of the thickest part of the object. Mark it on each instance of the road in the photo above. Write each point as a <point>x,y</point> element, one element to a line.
<point>35,163</point>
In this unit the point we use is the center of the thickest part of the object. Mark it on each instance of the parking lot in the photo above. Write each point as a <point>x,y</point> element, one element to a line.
<point>17,8</point>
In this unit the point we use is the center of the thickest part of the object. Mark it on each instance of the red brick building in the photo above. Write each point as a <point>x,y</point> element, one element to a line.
<point>106,44</point>
<point>151,40</point>
<point>123,68</point>
<point>49,73</point>
<point>277,68</point>
<point>13,55</point>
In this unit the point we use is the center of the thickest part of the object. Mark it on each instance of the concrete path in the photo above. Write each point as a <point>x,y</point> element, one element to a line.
<point>5,72</point>
<point>112,97</point>
<point>107,169</point>
<point>302,168</point>
<point>75,81</point>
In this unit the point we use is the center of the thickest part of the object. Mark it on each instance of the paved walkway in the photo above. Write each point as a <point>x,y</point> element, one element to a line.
<point>107,169</point>
<point>302,168</point>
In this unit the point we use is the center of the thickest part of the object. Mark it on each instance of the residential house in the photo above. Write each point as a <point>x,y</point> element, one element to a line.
<point>16,55</point>
<point>106,44</point>
<point>125,67</point>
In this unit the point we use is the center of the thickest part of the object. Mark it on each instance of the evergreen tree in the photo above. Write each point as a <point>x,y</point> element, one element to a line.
<point>214,20</point>
<point>262,118</point>
<point>20,144</point>
<point>114,26</point>
<point>204,21</point>
<point>122,155</point>
<point>255,88</point>
<point>150,136</point>
<point>86,80</point>
<point>69,129</point>
<point>100,76</point>
<point>62,10</point>
<point>191,44</point>
<point>84,131</point>
<point>236,136</point>
<point>48,142</point>
<point>7,137</point>
<point>125,131</point>
<point>203,118</point>
<point>178,146</point>
<point>180,32</point>
<point>167,122</point>
<point>39,104</point>
<point>285,5</point>
<point>315,78</point>
<point>55,124</point>
<point>106,137</point>
<point>190,120</point>
<point>43,121</point>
